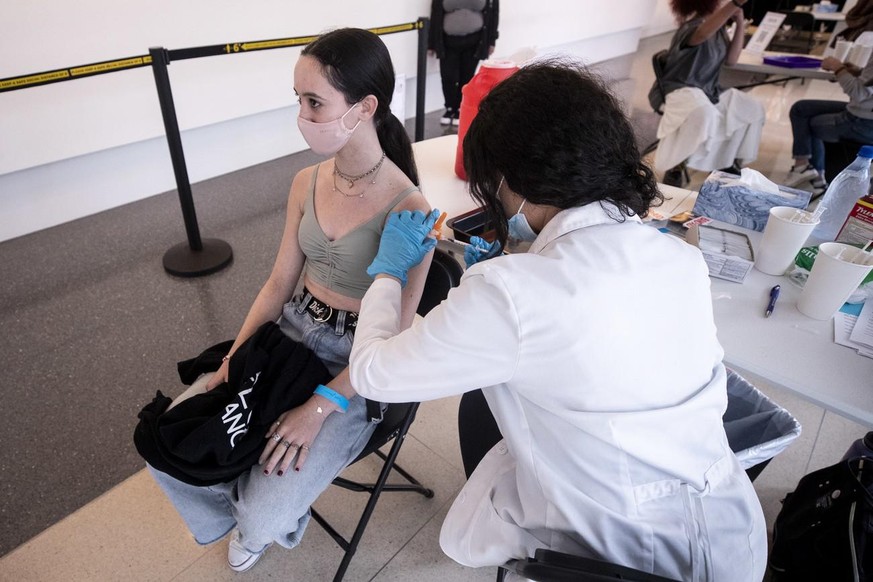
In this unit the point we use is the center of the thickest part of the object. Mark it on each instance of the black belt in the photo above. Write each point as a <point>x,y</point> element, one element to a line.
<point>342,321</point>
<point>321,312</point>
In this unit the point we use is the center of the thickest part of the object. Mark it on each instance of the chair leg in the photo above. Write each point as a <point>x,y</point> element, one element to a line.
<point>351,545</point>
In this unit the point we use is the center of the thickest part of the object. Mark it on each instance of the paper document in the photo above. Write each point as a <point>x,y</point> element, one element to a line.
<point>766,31</point>
<point>844,327</point>
<point>863,331</point>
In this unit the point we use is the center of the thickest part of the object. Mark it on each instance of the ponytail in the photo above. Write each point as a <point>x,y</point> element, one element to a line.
<point>395,141</point>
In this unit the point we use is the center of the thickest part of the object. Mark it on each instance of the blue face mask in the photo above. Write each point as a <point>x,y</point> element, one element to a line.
<point>519,228</point>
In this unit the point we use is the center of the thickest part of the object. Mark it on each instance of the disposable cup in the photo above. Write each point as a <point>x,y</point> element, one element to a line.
<point>841,50</point>
<point>837,271</point>
<point>859,55</point>
<point>786,230</point>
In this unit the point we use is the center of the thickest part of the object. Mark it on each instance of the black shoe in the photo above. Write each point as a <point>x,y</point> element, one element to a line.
<point>447,117</point>
<point>732,169</point>
<point>675,176</point>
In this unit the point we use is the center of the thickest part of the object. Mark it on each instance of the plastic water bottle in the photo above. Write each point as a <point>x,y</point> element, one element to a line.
<point>861,447</point>
<point>839,199</point>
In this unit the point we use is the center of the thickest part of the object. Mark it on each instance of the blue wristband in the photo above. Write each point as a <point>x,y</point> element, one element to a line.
<point>333,396</point>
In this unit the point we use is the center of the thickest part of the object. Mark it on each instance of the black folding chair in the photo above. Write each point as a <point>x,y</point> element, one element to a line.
<point>444,274</point>
<point>551,566</point>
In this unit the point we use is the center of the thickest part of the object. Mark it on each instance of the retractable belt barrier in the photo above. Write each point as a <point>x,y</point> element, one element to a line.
<point>135,62</point>
<point>204,256</point>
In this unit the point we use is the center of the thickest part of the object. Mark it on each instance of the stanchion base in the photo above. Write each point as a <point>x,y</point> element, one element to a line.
<point>181,261</point>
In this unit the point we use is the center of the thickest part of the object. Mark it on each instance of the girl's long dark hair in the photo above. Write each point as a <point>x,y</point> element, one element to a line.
<point>357,63</point>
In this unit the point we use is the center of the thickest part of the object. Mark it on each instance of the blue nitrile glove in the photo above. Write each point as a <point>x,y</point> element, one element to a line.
<point>405,241</point>
<point>480,250</point>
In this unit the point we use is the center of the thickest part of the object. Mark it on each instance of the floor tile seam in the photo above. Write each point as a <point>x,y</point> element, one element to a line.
<point>435,515</point>
<point>410,434</point>
<point>35,539</point>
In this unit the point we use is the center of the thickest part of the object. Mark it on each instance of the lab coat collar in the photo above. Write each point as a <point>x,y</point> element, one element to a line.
<point>572,219</point>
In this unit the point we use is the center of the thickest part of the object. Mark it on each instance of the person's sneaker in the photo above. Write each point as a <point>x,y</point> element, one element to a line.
<point>675,177</point>
<point>238,557</point>
<point>456,118</point>
<point>447,117</point>
<point>732,169</point>
<point>798,176</point>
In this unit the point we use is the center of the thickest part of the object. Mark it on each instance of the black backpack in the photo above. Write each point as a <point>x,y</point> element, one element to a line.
<point>824,530</point>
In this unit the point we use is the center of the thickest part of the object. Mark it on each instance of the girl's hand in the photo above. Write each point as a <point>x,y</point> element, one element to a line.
<point>292,435</point>
<point>219,377</point>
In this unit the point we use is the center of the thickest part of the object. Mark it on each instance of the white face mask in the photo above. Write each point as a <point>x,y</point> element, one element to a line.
<point>329,137</point>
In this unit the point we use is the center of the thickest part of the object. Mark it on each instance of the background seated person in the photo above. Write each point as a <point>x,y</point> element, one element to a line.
<point>702,125</point>
<point>815,121</point>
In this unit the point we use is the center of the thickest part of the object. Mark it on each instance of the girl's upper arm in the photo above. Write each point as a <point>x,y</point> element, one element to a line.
<point>417,275</point>
<point>290,258</point>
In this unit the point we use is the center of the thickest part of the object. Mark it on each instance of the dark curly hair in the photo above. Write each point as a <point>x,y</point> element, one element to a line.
<point>683,9</point>
<point>558,137</point>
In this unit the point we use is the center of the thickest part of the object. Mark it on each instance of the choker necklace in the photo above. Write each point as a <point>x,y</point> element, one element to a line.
<point>374,171</point>
<point>352,179</point>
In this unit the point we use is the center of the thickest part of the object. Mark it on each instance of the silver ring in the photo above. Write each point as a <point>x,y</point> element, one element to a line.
<point>304,447</point>
<point>277,423</point>
<point>286,444</point>
<point>277,437</point>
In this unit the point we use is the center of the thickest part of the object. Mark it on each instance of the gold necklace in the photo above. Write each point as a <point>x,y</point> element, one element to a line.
<point>352,179</point>
<point>374,171</point>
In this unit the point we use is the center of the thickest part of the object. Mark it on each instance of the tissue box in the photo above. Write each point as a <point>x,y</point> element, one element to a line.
<point>727,198</point>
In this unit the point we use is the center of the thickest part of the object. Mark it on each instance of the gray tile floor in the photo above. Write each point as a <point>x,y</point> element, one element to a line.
<point>92,326</point>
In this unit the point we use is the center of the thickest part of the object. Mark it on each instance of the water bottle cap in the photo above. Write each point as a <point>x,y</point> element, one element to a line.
<point>866,152</point>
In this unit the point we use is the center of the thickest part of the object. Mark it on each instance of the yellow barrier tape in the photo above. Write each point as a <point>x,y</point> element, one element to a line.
<point>34,79</point>
<point>110,66</point>
<point>397,28</point>
<point>267,44</point>
<point>73,72</point>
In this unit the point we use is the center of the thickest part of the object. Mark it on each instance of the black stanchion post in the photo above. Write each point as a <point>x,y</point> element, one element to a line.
<point>421,79</point>
<point>198,256</point>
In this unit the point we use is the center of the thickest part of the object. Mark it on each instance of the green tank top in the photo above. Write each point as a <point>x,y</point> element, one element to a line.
<point>341,264</point>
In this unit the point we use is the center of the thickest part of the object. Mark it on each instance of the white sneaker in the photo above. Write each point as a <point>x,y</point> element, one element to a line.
<point>446,119</point>
<point>238,557</point>
<point>799,176</point>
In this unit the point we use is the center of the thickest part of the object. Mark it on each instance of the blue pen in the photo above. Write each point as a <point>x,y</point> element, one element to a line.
<point>774,295</point>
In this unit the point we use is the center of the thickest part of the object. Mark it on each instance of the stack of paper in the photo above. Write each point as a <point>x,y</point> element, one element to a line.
<point>856,331</point>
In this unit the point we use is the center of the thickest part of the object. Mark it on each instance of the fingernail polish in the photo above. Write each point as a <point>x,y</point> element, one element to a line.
<point>266,472</point>
<point>297,469</point>
<point>281,472</point>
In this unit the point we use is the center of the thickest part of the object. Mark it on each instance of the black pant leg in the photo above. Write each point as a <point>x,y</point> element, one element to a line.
<point>477,429</point>
<point>457,66</point>
<point>449,74</point>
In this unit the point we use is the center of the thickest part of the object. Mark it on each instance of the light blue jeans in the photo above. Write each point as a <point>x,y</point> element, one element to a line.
<point>272,508</point>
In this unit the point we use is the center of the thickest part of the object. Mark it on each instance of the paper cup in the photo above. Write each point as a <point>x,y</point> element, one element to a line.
<point>833,279</point>
<point>786,230</point>
<point>860,54</point>
<point>841,50</point>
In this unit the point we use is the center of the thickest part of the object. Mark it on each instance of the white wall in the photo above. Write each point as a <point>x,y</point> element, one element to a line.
<point>74,148</point>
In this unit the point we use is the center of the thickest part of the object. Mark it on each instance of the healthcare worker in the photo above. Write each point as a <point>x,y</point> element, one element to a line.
<point>596,350</point>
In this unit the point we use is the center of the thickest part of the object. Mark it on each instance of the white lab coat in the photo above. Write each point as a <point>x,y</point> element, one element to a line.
<point>597,353</point>
<point>709,136</point>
